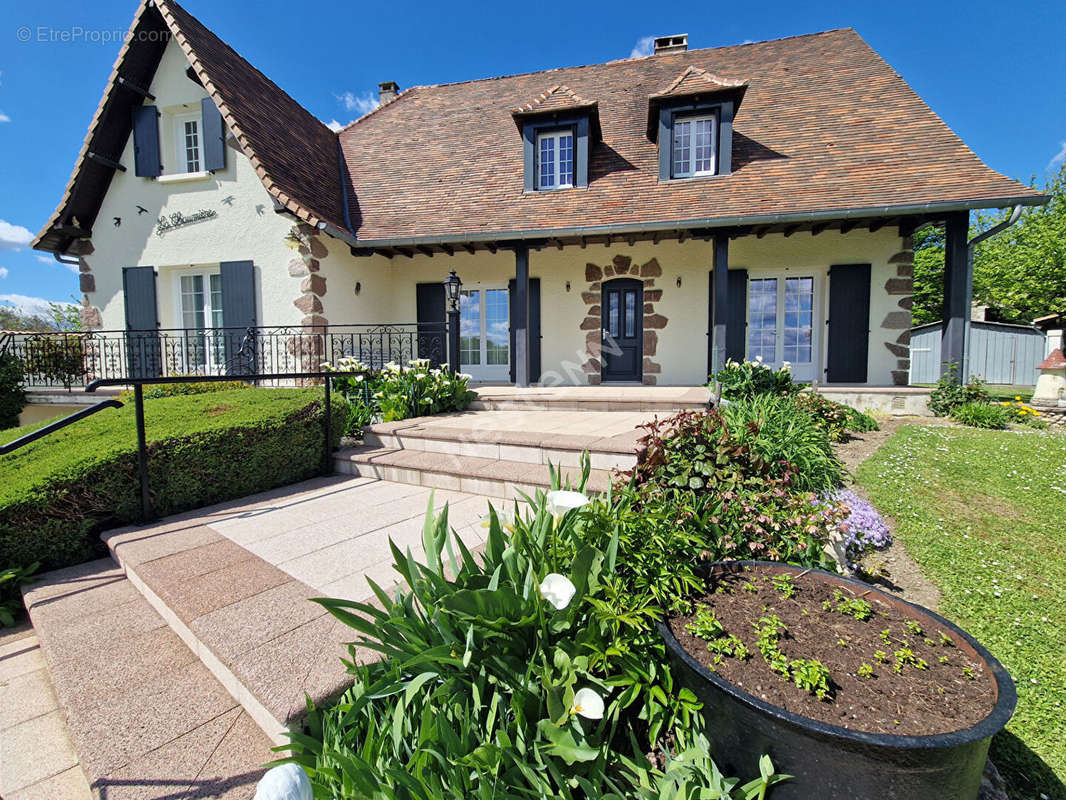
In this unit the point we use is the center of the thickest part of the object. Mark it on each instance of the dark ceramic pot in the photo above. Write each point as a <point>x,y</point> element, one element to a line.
<point>833,763</point>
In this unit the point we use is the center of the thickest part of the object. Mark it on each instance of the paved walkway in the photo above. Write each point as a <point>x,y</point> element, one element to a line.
<point>37,760</point>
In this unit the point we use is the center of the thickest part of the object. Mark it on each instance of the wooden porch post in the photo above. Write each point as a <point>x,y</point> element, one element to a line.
<point>958,291</point>
<point>719,302</point>
<point>520,315</point>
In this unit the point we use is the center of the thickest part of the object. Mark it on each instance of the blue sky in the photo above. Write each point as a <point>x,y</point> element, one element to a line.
<point>993,71</point>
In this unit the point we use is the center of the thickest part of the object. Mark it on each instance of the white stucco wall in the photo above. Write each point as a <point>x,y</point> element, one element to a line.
<point>246,228</point>
<point>387,291</point>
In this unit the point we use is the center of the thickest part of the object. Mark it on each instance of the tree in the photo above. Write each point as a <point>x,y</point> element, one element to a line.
<point>1020,273</point>
<point>59,317</point>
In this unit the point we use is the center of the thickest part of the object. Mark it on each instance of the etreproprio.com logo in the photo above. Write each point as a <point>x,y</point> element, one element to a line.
<point>47,34</point>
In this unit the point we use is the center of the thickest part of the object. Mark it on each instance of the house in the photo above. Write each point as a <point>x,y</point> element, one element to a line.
<point>638,221</point>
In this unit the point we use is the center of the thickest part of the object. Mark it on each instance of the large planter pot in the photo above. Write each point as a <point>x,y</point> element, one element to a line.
<point>830,762</point>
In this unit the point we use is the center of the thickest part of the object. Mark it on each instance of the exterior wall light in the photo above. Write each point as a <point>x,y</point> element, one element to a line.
<point>452,285</point>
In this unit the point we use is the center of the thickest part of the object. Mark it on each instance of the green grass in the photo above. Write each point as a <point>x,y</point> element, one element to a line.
<point>984,515</point>
<point>998,391</point>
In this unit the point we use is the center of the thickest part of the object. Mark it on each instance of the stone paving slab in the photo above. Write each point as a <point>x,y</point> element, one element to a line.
<point>146,718</point>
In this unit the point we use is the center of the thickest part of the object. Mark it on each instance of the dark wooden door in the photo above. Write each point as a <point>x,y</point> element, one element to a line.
<point>623,329</point>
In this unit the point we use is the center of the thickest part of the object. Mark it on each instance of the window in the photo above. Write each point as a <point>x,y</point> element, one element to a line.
<point>555,160</point>
<point>187,139</point>
<point>201,312</point>
<point>782,323</point>
<point>693,148</point>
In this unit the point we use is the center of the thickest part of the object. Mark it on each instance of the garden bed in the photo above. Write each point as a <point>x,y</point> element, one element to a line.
<point>891,669</point>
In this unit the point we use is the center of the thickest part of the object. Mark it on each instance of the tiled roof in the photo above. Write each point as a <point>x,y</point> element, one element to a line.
<point>1055,360</point>
<point>826,125</point>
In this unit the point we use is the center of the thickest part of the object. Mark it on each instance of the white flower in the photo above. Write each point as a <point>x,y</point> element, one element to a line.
<point>464,376</point>
<point>587,704</point>
<point>559,502</point>
<point>287,782</point>
<point>359,378</point>
<point>506,519</point>
<point>558,590</point>
<point>786,365</point>
<point>759,359</point>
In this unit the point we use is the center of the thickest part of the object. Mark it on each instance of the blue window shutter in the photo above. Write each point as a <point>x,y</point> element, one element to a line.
<point>736,326</point>
<point>847,353</point>
<point>666,143</point>
<point>725,138</point>
<point>529,140</point>
<point>214,136</point>
<point>146,142</point>
<point>238,315</point>
<point>143,353</point>
<point>581,153</point>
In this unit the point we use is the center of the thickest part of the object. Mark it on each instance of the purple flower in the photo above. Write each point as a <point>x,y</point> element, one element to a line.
<point>863,528</point>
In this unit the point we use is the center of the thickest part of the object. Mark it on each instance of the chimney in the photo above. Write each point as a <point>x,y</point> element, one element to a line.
<point>677,43</point>
<point>387,91</point>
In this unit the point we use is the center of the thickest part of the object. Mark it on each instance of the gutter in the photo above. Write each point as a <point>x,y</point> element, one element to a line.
<point>62,259</point>
<point>704,222</point>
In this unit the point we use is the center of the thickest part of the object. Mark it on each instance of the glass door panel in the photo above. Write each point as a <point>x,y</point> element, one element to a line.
<point>469,328</point>
<point>485,334</point>
<point>762,319</point>
<point>497,328</point>
<point>781,324</point>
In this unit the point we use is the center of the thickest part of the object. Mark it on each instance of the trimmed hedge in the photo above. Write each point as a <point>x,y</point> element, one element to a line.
<point>60,491</point>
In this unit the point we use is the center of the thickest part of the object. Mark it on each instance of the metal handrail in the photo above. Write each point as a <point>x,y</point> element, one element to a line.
<point>59,424</point>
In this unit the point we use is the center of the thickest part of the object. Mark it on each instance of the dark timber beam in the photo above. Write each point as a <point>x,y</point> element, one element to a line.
<point>469,247</point>
<point>107,162</point>
<point>520,320</point>
<point>878,224</point>
<point>138,89</point>
<point>447,248</point>
<point>403,251</point>
<point>818,228</point>
<point>491,247</point>
<point>790,229</point>
<point>761,232</point>
<point>848,225</point>
<point>425,250</point>
<point>719,303</point>
<point>958,290</point>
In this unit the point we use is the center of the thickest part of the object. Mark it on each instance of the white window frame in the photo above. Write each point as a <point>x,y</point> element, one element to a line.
<point>212,351</point>
<point>179,143</point>
<point>484,372</point>
<point>691,171</point>
<point>808,371</point>
<point>556,135</point>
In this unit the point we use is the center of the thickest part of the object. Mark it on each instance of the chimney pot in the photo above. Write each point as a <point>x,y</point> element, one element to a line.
<point>387,90</point>
<point>676,43</point>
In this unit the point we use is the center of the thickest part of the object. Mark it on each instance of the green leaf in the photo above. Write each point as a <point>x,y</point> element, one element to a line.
<point>561,744</point>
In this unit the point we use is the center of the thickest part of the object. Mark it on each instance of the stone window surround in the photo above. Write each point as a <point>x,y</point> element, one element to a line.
<point>622,266</point>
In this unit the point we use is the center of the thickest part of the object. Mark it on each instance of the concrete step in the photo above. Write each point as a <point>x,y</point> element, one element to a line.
<point>528,447</point>
<point>491,477</point>
<point>247,621</point>
<point>146,717</point>
<point>592,398</point>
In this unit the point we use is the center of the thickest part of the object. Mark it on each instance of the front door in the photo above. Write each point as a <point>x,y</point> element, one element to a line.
<point>781,324</point>
<point>484,333</point>
<point>623,329</point>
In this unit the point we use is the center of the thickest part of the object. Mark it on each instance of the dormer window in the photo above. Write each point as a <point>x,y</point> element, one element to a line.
<point>692,120</point>
<point>694,146</point>
<point>555,159</point>
<point>557,130</point>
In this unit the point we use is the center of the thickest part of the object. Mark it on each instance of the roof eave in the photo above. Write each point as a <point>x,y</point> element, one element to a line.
<point>710,222</point>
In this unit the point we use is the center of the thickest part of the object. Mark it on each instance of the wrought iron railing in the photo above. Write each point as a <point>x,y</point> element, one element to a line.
<point>76,359</point>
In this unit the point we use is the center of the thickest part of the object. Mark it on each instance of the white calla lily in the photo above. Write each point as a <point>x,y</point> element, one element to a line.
<point>558,590</point>
<point>588,704</point>
<point>560,501</point>
<point>506,519</point>
<point>287,782</point>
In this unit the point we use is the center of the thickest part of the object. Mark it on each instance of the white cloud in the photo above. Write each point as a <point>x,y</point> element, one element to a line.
<point>46,259</point>
<point>30,306</point>
<point>644,47</point>
<point>1058,160</point>
<point>359,103</point>
<point>4,117</point>
<point>13,237</point>
<point>3,273</point>
<point>334,126</point>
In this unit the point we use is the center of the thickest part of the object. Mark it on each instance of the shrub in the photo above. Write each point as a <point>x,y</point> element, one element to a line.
<point>1023,414</point>
<point>981,415</point>
<point>61,490</point>
<point>11,581</point>
<point>155,391</point>
<point>530,673</point>
<point>12,395</point>
<point>830,417</point>
<point>950,393</point>
<point>395,393</point>
<point>860,421</point>
<point>745,379</point>
<point>59,357</point>
<point>704,486</point>
<point>781,429</point>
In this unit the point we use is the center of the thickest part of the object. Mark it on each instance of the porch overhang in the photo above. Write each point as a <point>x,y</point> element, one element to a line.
<point>907,217</point>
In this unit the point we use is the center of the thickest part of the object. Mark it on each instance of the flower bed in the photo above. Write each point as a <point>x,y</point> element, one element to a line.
<point>833,654</point>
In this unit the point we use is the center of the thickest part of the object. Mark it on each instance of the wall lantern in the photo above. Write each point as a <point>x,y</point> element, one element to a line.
<point>358,287</point>
<point>452,284</point>
<point>678,281</point>
<point>568,286</point>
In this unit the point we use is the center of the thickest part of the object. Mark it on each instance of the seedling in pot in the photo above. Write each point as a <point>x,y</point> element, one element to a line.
<point>812,676</point>
<point>865,671</point>
<point>785,585</point>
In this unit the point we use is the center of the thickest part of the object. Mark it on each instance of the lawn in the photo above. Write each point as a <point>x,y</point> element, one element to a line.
<point>984,515</point>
